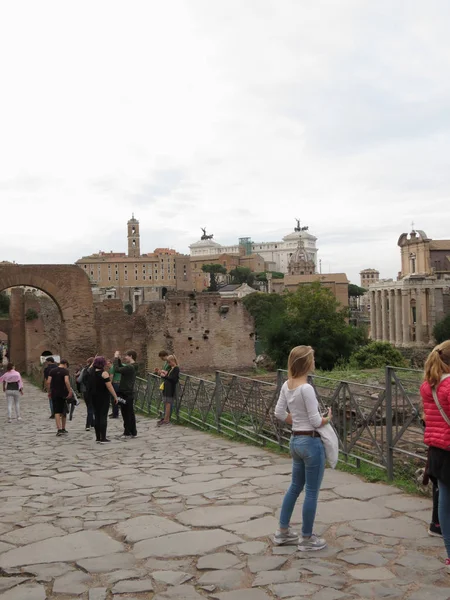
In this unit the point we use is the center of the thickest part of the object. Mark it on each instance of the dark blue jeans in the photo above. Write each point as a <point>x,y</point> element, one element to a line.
<point>308,466</point>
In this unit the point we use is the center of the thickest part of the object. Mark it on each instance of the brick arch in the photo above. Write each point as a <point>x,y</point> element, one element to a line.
<point>70,289</point>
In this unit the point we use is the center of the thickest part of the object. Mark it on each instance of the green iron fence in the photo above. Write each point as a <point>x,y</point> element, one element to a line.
<point>378,425</point>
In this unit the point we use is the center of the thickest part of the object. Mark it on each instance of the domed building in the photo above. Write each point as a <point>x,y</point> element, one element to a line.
<point>301,261</point>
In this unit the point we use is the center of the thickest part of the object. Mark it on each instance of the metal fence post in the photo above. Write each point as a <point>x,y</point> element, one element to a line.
<point>389,436</point>
<point>279,381</point>
<point>218,400</point>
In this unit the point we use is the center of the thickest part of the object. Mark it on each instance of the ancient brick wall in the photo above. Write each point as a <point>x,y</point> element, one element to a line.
<point>204,331</point>
<point>117,330</point>
<point>207,331</point>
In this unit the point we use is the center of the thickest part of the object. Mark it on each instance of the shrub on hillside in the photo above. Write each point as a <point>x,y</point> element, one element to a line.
<point>441,330</point>
<point>376,355</point>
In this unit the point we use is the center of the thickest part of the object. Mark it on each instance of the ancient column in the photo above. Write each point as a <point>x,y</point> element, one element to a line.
<point>379,315</point>
<point>384,316</point>
<point>373,323</point>
<point>398,318</point>
<point>392,309</point>
<point>406,310</point>
<point>419,317</point>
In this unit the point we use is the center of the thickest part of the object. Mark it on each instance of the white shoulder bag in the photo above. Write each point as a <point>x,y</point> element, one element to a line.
<point>330,441</point>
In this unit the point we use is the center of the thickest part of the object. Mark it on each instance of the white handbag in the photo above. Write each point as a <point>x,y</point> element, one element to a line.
<point>331,444</point>
<point>330,441</point>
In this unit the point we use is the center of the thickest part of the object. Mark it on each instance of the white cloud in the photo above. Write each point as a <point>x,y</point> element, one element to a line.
<point>233,114</point>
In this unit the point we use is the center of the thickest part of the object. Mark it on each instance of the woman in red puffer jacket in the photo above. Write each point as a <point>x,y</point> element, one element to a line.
<point>437,431</point>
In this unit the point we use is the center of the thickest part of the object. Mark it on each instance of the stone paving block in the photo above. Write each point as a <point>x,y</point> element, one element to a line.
<point>256,528</point>
<point>98,593</point>
<point>182,592</point>
<point>363,557</point>
<point>290,590</point>
<point>419,562</point>
<point>252,547</point>
<point>74,582</point>
<point>190,543</point>
<point>377,590</point>
<point>146,527</point>
<point>133,586</point>
<point>121,574</point>
<point>372,574</point>
<point>268,577</point>
<point>220,561</point>
<point>229,579</point>
<point>329,594</point>
<point>171,577</point>
<point>34,533</point>
<point>399,527</point>
<point>243,595</point>
<point>343,510</point>
<point>48,572</point>
<point>106,564</point>
<point>9,582</point>
<point>265,563</point>
<point>72,547</point>
<point>194,489</point>
<point>215,516</point>
<point>364,490</point>
<point>27,591</point>
<point>431,593</point>
<point>4,547</point>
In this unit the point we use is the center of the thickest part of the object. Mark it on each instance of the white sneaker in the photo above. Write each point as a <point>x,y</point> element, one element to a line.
<point>285,537</point>
<point>9,420</point>
<point>19,418</point>
<point>311,544</point>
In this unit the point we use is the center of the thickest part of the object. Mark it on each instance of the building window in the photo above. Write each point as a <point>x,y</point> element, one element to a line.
<point>143,277</point>
<point>126,277</point>
<point>109,278</point>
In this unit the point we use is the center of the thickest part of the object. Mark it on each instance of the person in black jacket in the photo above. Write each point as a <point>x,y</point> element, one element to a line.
<point>128,373</point>
<point>170,379</point>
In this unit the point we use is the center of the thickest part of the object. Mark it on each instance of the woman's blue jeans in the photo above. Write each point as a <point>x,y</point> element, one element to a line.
<point>308,456</point>
<point>444,514</point>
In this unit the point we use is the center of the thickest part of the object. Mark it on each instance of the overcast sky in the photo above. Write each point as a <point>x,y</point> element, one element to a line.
<point>237,115</point>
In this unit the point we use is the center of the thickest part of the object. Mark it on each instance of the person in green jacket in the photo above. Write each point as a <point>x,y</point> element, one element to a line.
<point>115,380</point>
<point>128,371</point>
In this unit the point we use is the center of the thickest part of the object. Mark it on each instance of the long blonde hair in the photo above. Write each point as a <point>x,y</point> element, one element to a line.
<point>438,363</point>
<point>173,358</point>
<point>300,362</point>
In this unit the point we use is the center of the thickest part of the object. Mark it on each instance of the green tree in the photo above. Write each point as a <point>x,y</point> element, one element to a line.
<point>441,330</point>
<point>4,303</point>
<point>309,316</point>
<point>241,275</point>
<point>377,354</point>
<point>355,290</point>
<point>213,270</point>
<point>263,275</point>
<point>264,308</point>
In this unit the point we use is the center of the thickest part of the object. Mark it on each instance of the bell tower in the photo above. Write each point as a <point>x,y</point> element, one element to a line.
<point>134,242</point>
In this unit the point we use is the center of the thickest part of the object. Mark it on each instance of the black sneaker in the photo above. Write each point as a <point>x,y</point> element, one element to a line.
<point>88,428</point>
<point>64,431</point>
<point>105,441</point>
<point>51,416</point>
<point>435,530</point>
<point>59,433</point>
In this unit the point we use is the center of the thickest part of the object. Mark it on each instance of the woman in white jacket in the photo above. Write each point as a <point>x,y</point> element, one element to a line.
<point>298,406</point>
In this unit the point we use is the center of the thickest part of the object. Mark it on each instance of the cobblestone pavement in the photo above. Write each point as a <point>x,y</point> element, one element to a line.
<point>180,514</point>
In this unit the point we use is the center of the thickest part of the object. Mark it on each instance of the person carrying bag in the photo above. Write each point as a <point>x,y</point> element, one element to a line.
<point>298,406</point>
